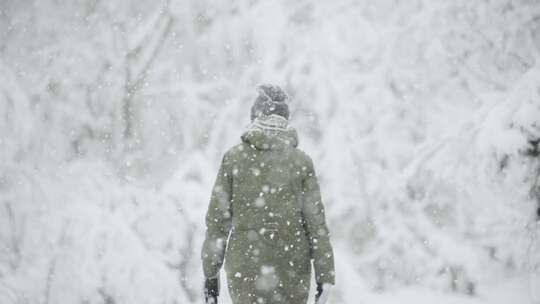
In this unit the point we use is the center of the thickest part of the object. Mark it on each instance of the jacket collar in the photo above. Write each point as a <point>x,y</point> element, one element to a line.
<point>270,133</point>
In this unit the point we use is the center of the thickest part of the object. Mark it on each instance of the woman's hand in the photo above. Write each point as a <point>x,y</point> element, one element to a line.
<point>323,290</point>
<point>211,290</point>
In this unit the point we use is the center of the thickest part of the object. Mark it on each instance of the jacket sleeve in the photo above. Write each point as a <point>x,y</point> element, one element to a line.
<point>317,230</point>
<point>218,222</point>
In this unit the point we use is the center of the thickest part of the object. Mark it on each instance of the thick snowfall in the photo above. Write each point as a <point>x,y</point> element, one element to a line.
<point>422,117</point>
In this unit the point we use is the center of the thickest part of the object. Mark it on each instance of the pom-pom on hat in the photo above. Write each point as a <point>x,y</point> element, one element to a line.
<point>271,100</point>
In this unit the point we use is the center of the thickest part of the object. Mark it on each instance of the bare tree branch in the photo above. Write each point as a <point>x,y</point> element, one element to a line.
<point>135,79</point>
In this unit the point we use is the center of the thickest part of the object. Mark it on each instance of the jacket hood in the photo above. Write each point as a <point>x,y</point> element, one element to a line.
<point>278,139</point>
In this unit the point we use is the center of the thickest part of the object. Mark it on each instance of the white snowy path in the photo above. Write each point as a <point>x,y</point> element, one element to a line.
<point>354,291</point>
<point>514,291</point>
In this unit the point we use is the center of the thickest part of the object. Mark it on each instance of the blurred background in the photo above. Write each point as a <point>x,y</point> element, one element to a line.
<point>422,117</point>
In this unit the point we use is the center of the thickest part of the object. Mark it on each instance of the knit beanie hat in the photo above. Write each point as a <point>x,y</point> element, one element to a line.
<point>271,100</point>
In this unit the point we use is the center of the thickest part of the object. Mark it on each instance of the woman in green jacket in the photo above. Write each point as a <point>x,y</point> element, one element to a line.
<point>266,218</point>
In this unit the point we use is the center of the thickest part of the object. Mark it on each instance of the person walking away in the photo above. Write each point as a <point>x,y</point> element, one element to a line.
<point>266,219</point>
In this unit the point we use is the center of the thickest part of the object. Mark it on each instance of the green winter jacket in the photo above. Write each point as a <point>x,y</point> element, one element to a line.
<point>266,220</point>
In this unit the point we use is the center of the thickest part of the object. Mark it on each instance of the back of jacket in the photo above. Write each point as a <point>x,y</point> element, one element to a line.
<point>266,215</point>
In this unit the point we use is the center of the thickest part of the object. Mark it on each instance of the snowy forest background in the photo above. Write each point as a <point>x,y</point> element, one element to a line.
<point>422,117</point>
